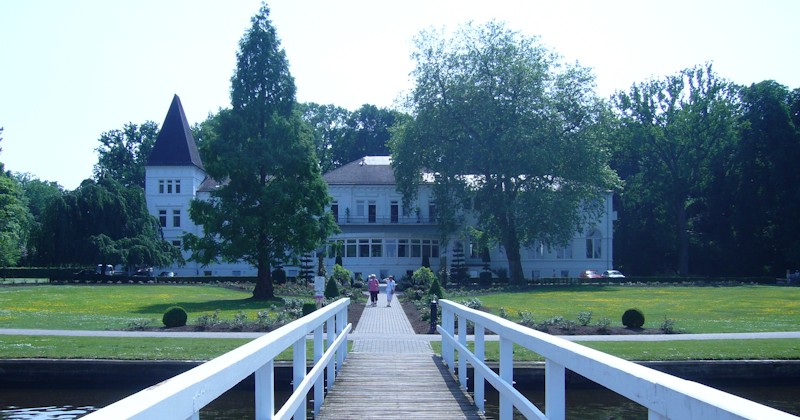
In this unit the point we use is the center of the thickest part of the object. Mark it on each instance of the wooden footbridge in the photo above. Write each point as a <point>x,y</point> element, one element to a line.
<point>390,373</point>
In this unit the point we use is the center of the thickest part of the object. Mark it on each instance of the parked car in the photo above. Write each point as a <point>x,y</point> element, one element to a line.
<point>166,274</point>
<point>590,274</point>
<point>613,274</point>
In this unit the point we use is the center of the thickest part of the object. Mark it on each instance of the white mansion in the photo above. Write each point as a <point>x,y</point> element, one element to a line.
<point>377,234</point>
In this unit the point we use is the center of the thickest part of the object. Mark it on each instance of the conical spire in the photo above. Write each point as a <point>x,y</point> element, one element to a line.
<point>175,145</point>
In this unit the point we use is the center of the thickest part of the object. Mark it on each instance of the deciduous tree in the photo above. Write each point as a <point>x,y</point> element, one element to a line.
<point>498,119</point>
<point>122,154</point>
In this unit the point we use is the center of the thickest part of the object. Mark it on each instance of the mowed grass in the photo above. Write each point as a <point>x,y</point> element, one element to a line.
<point>694,309</point>
<point>113,307</point>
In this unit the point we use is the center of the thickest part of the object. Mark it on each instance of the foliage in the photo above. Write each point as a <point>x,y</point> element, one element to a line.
<point>14,221</point>
<point>205,321</point>
<point>667,326</point>
<point>309,307</point>
<point>485,278</point>
<point>672,131</point>
<point>331,289</point>
<point>279,276</point>
<point>263,152</point>
<point>584,318</point>
<point>473,303</point>
<point>498,119</point>
<point>633,318</point>
<point>342,275</point>
<point>423,278</point>
<point>123,154</point>
<point>104,222</point>
<point>603,325</point>
<point>174,316</point>
<point>436,289</point>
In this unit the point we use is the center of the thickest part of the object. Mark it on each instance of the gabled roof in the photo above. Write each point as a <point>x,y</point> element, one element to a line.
<point>175,145</point>
<point>369,170</point>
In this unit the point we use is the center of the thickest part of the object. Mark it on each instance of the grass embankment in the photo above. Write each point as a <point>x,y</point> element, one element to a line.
<point>694,310</point>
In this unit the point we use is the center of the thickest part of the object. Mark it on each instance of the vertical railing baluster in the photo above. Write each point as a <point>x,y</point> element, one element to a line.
<point>447,347</point>
<point>507,375</point>
<point>462,359</point>
<point>331,369</point>
<point>478,382</point>
<point>555,389</point>
<point>319,387</point>
<point>265,391</point>
<point>299,372</point>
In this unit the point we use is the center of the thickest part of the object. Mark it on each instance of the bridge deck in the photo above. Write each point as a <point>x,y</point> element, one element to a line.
<point>392,374</point>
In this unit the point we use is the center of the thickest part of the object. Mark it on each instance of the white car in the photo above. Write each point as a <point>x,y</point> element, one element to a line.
<point>613,274</point>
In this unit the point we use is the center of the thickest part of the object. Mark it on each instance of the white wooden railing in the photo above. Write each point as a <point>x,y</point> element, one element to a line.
<point>665,396</point>
<point>183,396</point>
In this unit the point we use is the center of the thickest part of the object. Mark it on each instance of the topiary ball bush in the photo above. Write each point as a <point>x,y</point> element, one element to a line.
<point>175,316</point>
<point>309,307</point>
<point>633,318</point>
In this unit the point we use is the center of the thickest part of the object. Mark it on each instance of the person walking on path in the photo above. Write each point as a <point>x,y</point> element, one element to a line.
<point>374,287</point>
<point>390,285</point>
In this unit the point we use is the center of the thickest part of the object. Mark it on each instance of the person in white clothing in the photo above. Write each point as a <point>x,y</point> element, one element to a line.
<point>390,286</point>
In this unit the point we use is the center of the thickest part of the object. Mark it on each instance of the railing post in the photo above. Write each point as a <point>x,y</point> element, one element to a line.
<point>265,391</point>
<point>447,347</point>
<point>507,375</point>
<point>330,329</point>
<point>555,390</point>
<point>462,360</point>
<point>299,372</point>
<point>319,387</point>
<point>341,322</point>
<point>478,382</point>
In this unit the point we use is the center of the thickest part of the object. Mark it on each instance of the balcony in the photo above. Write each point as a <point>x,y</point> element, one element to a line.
<point>386,220</point>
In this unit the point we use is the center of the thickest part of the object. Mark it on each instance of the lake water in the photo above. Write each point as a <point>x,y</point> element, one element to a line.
<point>593,403</point>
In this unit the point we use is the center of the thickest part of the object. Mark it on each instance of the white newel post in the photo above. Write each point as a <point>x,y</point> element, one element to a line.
<point>265,391</point>
<point>555,390</point>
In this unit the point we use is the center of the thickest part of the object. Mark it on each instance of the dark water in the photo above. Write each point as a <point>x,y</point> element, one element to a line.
<point>593,403</point>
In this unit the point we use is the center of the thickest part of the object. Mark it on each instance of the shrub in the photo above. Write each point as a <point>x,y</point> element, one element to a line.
<point>473,303</point>
<point>668,326</point>
<point>423,278</point>
<point>584,318</point>
<point>436,289</point>
<point>309,307</point>
<point>175,316</point>
<point>239,321</point>
<point>208,321</point>
<point>342,275</point>
<point>279,276</point>
<point>503,313</point>
<point>485,278</point>
<point>331,289</point>
<point>633,318</point>
<point>603,325</point>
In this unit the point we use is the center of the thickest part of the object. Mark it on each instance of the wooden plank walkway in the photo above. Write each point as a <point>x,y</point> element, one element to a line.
<point>393,374</point>
<point>405,386</point>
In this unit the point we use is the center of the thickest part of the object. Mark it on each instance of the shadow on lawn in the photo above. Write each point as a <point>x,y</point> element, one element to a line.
<point>213,305</point>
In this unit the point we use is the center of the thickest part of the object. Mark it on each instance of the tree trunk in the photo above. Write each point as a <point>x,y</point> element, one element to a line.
<point>264,289</point>
<point>515,273</point>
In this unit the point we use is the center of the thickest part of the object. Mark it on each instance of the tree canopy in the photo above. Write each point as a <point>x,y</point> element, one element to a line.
<point>271,203</point>
<point>498,120</point>
<point>123,154</point>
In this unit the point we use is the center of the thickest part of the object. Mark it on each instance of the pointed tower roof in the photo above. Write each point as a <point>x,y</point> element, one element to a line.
<point>175,145</point>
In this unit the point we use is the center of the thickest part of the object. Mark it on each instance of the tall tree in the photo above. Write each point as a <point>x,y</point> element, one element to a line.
<point>101,221</point>
<point>368,133</point>
<point>497,119</point>
<point>122,154</point>
<point>676,125</point>
<point>272,200</point>
<point>38,196</point>
<point>329,124</point>
<point>14,218</point>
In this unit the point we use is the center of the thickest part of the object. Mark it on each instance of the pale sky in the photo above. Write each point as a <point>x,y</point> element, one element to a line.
<point>73,69</point>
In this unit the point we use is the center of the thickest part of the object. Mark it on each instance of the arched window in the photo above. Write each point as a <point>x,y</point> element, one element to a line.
<point>594,246</point>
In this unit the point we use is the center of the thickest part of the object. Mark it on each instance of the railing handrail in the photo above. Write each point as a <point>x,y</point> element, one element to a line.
<point>182,396</point>
<point>664,395</point>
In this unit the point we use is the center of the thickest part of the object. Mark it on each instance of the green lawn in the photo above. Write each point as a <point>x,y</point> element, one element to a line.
<point>112,307</point>
<point>694,309</point>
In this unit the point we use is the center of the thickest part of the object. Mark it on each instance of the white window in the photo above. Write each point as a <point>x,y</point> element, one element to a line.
<point>564,253</point>
<point>594,247</point>
<point>176,218</point>
<point>161,186</point>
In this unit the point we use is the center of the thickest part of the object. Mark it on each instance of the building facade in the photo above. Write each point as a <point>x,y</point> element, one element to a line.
<point>378,234</point>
